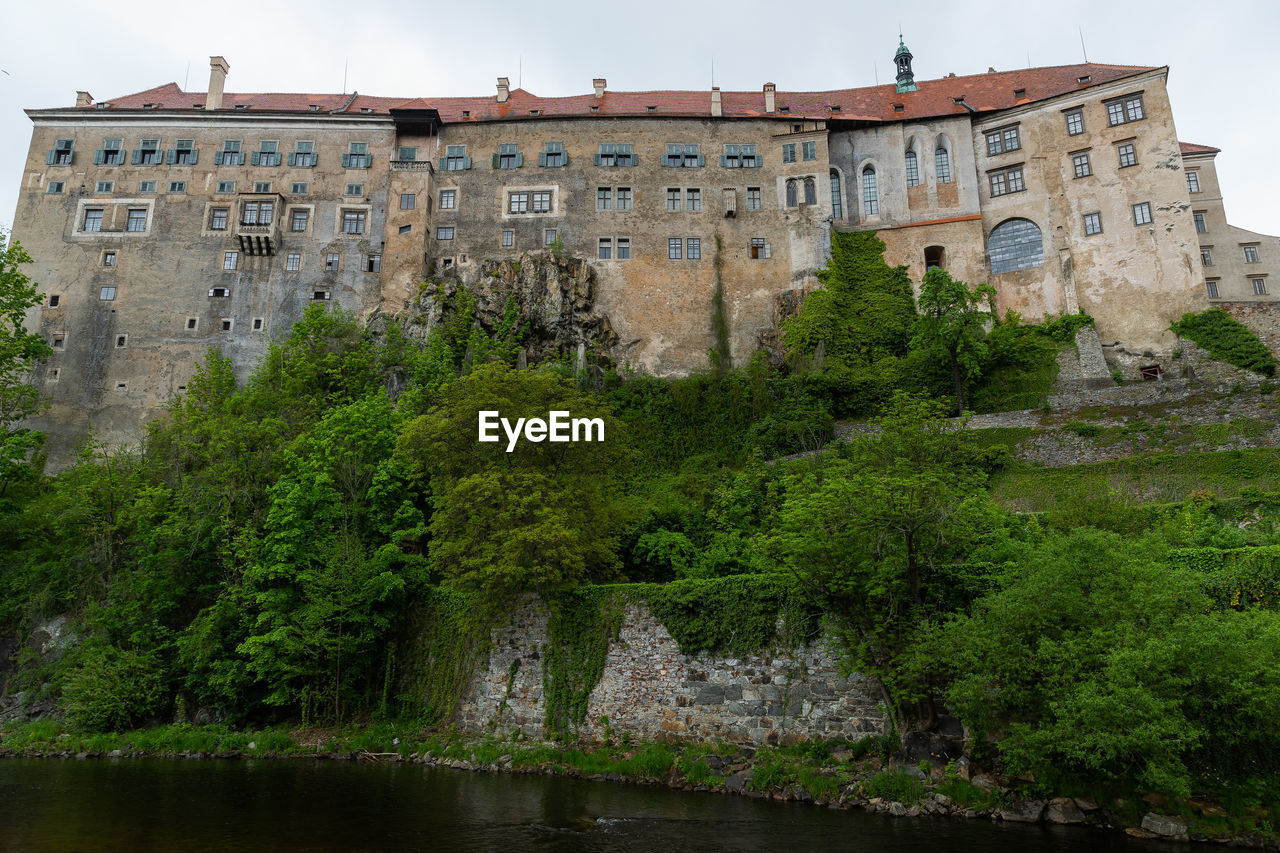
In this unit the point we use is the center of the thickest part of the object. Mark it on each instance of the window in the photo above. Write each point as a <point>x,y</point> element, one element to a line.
<point>1259,286</point>
<point>93,219</point>
<point>268,154</point>
<point>354,190</point>
<point>693,248</point>
<point>1250,254</point>
<point>323,295</point>
<point>146,187</point>
<point>54,187</point>
<point>62,153</point>
<point>739,157</point>
<point>1093,223</point>
<point>809,150</point>
<point>548,237</point>
<point>604,196</point>
<point>444,232</point>
<point>106,187</point>
<point>303,156</point>
<point>792,193</point>
<point>624,198</point>
<point>408,201</point>
<point>1198,218</point>
<point>148,153</point>
<point>219,292</point>
<point>177,187</point>
<point>1015,244</point>
<point>226,187</point>
<point>870,193</point>
<point>54,300</point>
<point>332,262</point>
<point>227,323</point>
<point>693,199</point>
<point>604,248</point>
<point>230,155</point>
<point>508,157</point>
<point>230,260</point>
<point>1080,165</point>
<point>407,153</point>
<point>353,221</point>
<point>257,213</point>
<point>1211,288</point>
<point>508,238</point>
<point>616,154</point>
<point>108,259</point>
<point>107,293</point>
<point>293,262</point>
<point>1125,110</point>
<point>1206,256</point>
<point>913,170</point>
<point>59,340</point>
<point>405,229</point>
<point>262,186</point>
<point>1002,140</point>
<point>257,324</point>
<point>553,156</point>
<point>542,201</point>
<point>624,248</point>
<point>183,153</point>
<point>373,262</point>
<point>110,154</point>
<point>1075,122</point>
<point>121,340</point>
<point>1005,181</point>
<point>810,191</point>
<point>1193,181</point>
<point>1142,213</point>
<point>192,322</point>
<point>674,248</point>
<point>456,159</point>
<point>759,249</point>
<point>218,219</point>
<point>518,203</point>
<point>298,221</point>
<point>299,188</point>
<point>942,165</point>
<point>136,220</point>
<point>1128,154</point>
<point>682,156</point>
<point>788,152</point>
<point>753,198</point>
<point>837,208</point>
<point>357,156</point>
<point>448,199</point>
<point>673,198</point>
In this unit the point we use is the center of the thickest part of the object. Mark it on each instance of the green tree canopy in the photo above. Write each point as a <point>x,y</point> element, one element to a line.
<point>19,351</point>
<point>953,327</point>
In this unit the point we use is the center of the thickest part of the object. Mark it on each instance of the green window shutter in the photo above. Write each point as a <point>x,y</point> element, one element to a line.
<point>466,162</point>
<point>519,160</point>
<point>724,161</point>
<point>137,157</point>
<point>253,158</point>
<point>633,159</point>
<point>346,161</point>
<point>217,158</point>
<point>442,164</point>
<point>195,155</point>
<point>49,159</point>
<point>170,157</point>
<point>315,158</point>
<point>564,159</point>
<point>495,160</point>
<point>597,159</point>
<point>293,159</point>
<point>542,158</point>
<point>702,161</point>
<point>97,157</point>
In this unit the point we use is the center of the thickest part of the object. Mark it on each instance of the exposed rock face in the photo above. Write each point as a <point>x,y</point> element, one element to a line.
<point>1165,826</point>
<point>554,299</point>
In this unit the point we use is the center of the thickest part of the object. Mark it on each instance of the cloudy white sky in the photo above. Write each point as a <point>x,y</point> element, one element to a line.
<point>1224,66</point>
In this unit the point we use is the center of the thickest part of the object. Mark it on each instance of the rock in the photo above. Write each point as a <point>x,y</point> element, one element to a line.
<point>1063,810</point>
<point>1027,811</point>
<point>253,744</point>
<point>1134,832</point>
<point>1165,826</point>
<point>983,782</point>
<point>115,753</point>
<point>1086,804</point>
<point>897,809</point>
<point>736,783</point>
<point>963,768</point>
<point>942,800</point>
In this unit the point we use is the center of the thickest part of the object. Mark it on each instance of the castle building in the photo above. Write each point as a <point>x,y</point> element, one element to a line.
<point>167,222</point>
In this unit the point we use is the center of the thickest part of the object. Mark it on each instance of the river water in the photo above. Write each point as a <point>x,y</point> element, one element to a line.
<point>140,805</point>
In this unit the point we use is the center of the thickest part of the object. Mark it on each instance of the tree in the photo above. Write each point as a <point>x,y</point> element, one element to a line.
<point>877,537</point>
<point>19,352</point>
<point>953,326</point>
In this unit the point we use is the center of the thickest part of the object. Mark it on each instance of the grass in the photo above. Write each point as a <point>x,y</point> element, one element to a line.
<point>895,786</point>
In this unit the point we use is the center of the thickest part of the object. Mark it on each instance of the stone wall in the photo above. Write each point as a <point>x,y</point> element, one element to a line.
<point>1263,318</point>
<point>650,690</point>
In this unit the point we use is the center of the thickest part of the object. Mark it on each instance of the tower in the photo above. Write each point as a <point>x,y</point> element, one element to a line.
<point>902,59</point>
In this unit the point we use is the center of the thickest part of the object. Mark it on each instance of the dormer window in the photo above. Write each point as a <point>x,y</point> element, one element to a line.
<point>1084,79</point>
<point>1019,94</point>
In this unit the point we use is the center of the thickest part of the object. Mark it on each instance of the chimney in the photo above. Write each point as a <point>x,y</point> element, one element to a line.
<point>715,101</point>
<point>84,99</point>
<point>504,89</point>
<point>599,84</point>
<point>769,91</point>
<point>218,69</point>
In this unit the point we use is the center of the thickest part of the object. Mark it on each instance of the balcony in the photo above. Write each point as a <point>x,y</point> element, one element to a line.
<point>411,166</point>
<point>256,236</point>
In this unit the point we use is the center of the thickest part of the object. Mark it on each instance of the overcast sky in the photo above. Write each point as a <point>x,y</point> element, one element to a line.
<point>1224,65</point>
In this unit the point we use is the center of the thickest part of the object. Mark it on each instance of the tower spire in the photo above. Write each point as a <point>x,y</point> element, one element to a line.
<point>902,59</point>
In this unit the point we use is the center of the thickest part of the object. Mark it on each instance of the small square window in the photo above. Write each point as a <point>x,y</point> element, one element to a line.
<point>106,186</point>
<point>444,232</point>
<point>353,221</point>
<point>373,263</point>
<point>107,293</point>
<point>548,237</point>
<point>54,187</point>
<point>604,248</point>
<point>192,322</point>
<point>226,187</point>
<point>262,186</point>
<point>1211,288</point>
<point>332,261</point>
<point>405,229</point>
<point>218,218</point>
<point>93,219</point>
<point>136,220</point>
<point>299,188</point>
<point>257,324</point>
<point>227,323</point>
<point>624,198</point>
<point>674,248</point>
<point>674,201</point>
<point>407,153</point>
<point>448,199</point>
<point>122,386</point>
<point>177,186</point>
<point>624,248</point>
<point>298,220</point>
<point>1080,165</point>
<point>293,261</point>
<point>55,373</point>
<point>693,199</point>
<point>354,190</point>
<point>219,292</point>
<point>1259,286</point>
<point>58,340</point>
<point>108,259</point>
<point>1075,122</point>
<point>408,201</point>
<point>1142,213</point>
<point>230,260</point>
<point>508,238</point>
<point>146,187</point>
<point>54,300</point>
<point>753,198</point>
<point>1127,154</point>
<point>604,198</point>
<point>693,249</point>
<point>759,249</point>
<point>121,341</point>
<point>1250,254</point>
<point>1093,223</point>
<point>320,295</point>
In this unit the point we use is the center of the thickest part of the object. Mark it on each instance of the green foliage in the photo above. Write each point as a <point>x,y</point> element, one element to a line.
<point>581,625</point>
<point>112,689</point>
<point>445,638</point>
<point>1227,339</point>
<point>895,786</point>
<point>721,357</point>
<point>952,327</point>
<point>1084,430</point>
<point>20,351</point>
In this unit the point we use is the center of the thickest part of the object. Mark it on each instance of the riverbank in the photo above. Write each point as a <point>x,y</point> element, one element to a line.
<point>837,775</point>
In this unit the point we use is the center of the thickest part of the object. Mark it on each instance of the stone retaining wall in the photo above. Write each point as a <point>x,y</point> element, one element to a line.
<point>650,690</point>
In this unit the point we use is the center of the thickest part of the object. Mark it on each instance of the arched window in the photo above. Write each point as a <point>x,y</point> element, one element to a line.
<point>913,170</point>
<point>810,191</point>
<point>1015,244</point>
<point>791,193</point>
<point>837,209</point>
<point>942,165</point>
<point>870,194</point>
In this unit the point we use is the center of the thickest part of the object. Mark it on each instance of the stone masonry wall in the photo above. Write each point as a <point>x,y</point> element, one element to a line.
<point>650,690</point>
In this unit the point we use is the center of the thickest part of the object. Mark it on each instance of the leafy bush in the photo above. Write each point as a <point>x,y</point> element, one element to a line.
<point>895,786</point>
<point>112,689</point>
<point>1227,339</point>
<point>1084,430</point>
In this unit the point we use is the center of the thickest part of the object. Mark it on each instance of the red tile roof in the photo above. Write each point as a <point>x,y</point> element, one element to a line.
<point>984,92</point>
<point>1192,148</point>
